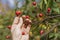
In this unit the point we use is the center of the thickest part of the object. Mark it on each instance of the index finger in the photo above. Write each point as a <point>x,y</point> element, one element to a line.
<point>16,20</point>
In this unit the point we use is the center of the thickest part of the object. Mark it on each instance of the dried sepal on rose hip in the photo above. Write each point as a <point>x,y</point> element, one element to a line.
<point>9,27</point>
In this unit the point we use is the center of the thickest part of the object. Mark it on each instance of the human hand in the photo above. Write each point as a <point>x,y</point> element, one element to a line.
<point>18,21</point>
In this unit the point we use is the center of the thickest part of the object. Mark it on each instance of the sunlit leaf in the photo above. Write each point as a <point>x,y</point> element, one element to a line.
<point>1,26</point>
<point>56,10</point>
<point>45,1</point>
<point>51,36</point>
<point>41,4</point>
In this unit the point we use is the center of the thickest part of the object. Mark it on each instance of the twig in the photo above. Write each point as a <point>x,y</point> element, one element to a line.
<point>54,25</point>
<point>37,22</point>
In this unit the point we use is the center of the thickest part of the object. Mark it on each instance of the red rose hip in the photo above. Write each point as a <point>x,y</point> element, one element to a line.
<point>8,37</point>
<point>9,27</point>
<point>40,15</point>
<point>27,17</point>
<point>48,10</point>
<point>41,32</point>
<point>23,33</point>
<point>34,3</point>
<point>18,13</point>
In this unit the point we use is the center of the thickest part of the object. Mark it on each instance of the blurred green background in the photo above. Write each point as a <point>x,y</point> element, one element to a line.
<point>7,14</point>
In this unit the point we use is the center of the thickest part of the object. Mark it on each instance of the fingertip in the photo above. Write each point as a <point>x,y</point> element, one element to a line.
<point>16,19</point>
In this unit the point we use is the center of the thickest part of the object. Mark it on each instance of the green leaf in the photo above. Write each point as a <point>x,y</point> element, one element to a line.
<point>55,20</point>
<point>58,0</point>
<point>1,21</point>
<point>1,16</point>
<point>41,3</point>
<point>58,34</point>
<point>55,10</point>
<point>51,35</point>
<point>27,1</point>
<point>1,26</point>
<point>45,1</point>
<point>6,19</point>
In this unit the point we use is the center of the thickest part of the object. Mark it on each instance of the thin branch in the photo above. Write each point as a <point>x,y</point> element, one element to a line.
<point>37,22</point>
<point>54,25</point>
